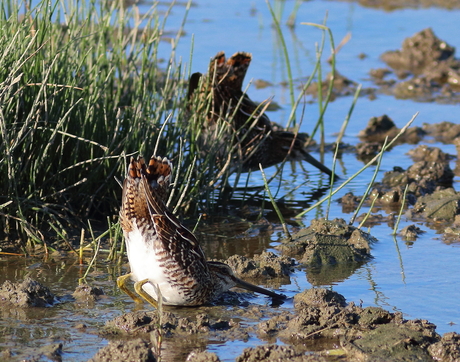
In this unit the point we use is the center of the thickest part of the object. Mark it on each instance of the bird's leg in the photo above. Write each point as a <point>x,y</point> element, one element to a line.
<point>121,282</point>
<point>138,288</point>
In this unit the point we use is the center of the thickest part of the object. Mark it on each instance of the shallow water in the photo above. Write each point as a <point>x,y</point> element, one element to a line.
<point>415,278</point>
<point>418,279</point>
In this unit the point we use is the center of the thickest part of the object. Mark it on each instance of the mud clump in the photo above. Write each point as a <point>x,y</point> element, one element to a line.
<point>319,312</point>
<point>121,351</point>
<point>364,333</point>
<point>425,68</point>
<point>132,323</point>
<point>331,250</point>
<point>367,150</point>
<point>411,232</point>
<point>204,356</point>
<point>276,353</point>
<point>420,52</point>
<point>263,266</point>
<point>328,242</point>
<point>137,323</point>
<point>439,173</point>
<point>447,349</point>
<point>424,177</point>
<point>445,132</point>
<point>380,128</point>
<point>179,336</point>
<point>342,86</point>
<point>440,205</point>
<point>28,293</point>
<point>394,342</point>
<point>85,292</point>
<point>429,154</point>
<point>349,202</point>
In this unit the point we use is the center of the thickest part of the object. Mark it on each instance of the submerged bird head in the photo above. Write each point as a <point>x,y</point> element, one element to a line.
<point>225,279</point>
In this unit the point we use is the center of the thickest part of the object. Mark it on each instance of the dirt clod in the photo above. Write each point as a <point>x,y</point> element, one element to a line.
<point>425,69</point>
<point>204,356</point>
<point>28,293</point>
<point>276,353</point>
<point>440,205</point>
<point>265,265</point>
<point>86,292</point>
<point>329,242</point>
<point>122,351</point>
<point>410,232</point>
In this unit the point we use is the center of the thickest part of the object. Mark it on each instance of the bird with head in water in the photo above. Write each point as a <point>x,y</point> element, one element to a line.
<point>251,136</point>
<point>165,258</point>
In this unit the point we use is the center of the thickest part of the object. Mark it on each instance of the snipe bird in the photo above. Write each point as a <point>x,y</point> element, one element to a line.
<point>255,139</point>
<point>166,259</point>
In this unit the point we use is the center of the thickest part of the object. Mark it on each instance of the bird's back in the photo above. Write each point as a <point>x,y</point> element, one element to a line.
<point>159,247</point>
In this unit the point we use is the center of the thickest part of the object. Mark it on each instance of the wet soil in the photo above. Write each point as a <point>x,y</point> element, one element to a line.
<point>329,251</point>
<point>424,69</point>
<point>29,293</point>
<point>362,333</point>
<point>343,329</point>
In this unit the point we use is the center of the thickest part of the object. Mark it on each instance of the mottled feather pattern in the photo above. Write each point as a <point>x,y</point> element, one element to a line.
<point>256,138</point>
<point>177,251</point>
<point>163,254</point>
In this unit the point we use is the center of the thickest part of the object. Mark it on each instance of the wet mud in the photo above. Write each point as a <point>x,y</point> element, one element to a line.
<point>322,326</point>
<point>353,332</point>
<point>424,69</point>
<point>29,293</point>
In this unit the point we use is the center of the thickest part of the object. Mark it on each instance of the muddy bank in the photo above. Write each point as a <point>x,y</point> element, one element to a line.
<point>353,332</point>
<point>363,333</point>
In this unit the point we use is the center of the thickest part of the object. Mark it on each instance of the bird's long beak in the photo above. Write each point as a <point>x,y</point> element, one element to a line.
<point>314,162</point>
<point>254,288</point>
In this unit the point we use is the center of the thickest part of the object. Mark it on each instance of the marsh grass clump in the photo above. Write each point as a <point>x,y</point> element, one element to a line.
<point>81,87</point>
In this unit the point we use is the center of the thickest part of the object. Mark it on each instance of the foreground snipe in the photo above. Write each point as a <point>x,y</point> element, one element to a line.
<point>251,136</point>
<point>166,259</point>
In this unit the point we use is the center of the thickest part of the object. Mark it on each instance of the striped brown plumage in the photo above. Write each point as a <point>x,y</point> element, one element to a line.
<point>255,139</point>
<point>165,257</point>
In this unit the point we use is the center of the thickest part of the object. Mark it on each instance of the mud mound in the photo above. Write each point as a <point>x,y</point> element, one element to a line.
<point>122,351</point>
<point>86,292</point>
<point>205,356</point>
<point>136,323</point>
<point>28,293</point>
<point>380,128</point>
<point>265,265</point>
<point>425,68</point>
<point>328,242</point>
<point>276,353</point>
<point>365,333</point>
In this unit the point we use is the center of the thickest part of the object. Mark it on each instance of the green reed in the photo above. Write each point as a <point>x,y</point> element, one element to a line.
<point>82,90</point>
<point>81,87</point>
